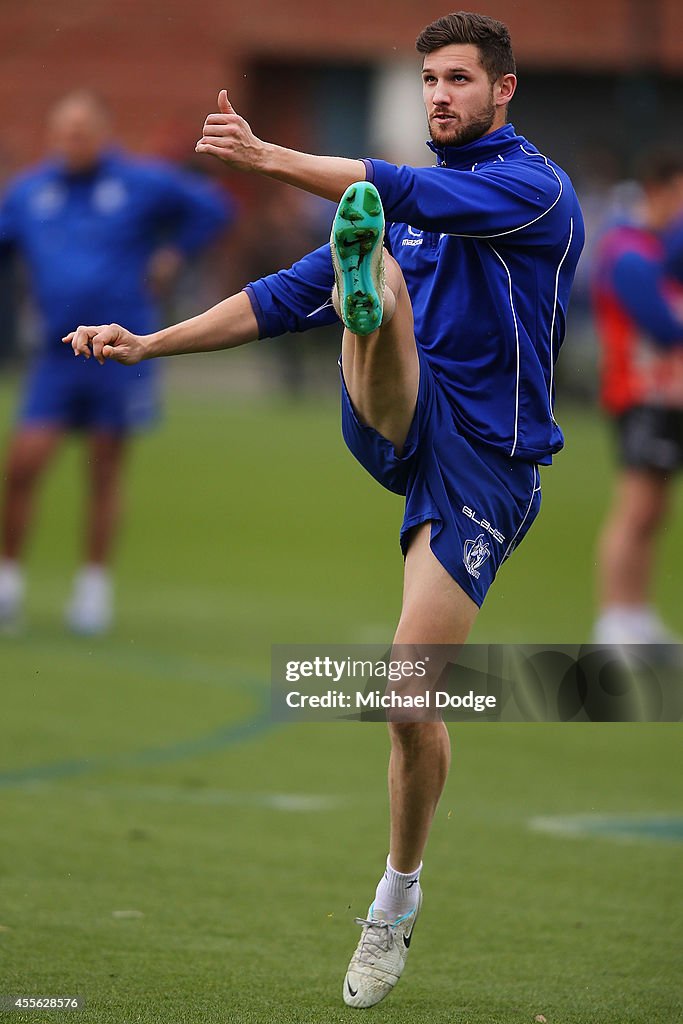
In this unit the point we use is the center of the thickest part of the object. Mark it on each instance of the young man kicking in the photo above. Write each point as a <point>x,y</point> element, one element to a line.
<point>451,334</point>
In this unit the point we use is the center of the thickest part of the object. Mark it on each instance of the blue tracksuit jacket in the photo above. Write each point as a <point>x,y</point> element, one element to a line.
<point>488,241</point>
<point>87,238</point>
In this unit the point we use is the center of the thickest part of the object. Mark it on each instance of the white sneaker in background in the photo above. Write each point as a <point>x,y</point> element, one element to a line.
<point>12,589</point>
<point>91,609</point>
<point>632,625</point>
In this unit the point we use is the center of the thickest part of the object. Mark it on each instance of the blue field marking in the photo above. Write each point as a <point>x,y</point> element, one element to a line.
<point>226,736</point>
<point>666,828</point>
<point>164,665</point>
<point>169,667</point>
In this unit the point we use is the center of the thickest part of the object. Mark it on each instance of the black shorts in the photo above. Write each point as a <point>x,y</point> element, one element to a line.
<point>650,437</point>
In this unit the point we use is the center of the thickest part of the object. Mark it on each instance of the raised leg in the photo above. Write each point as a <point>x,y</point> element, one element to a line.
<point>381,370</point>
<point>379,355</point>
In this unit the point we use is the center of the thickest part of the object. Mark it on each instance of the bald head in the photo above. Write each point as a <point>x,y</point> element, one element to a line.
<point>80,129</point>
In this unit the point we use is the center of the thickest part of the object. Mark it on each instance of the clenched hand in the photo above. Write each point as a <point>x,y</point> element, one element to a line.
<point>108,341</point>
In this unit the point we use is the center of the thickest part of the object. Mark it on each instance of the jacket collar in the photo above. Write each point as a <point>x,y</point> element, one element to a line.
<point>488,147</point>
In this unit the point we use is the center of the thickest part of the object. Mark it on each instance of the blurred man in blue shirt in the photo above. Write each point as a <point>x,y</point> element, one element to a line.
<point>97,230</point>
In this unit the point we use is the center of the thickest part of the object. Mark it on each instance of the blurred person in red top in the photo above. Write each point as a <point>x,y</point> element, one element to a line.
<point>639,312</point>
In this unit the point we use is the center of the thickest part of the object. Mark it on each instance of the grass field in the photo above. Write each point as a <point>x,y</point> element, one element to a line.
<point>171,855</point>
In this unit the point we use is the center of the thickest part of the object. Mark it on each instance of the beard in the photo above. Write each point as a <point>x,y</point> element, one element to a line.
<point>458,133</point>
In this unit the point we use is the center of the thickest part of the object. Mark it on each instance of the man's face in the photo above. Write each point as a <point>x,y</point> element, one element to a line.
<point>79,131</point>
<point>460,100</point>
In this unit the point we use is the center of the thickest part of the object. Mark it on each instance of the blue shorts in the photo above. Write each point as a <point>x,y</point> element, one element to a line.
<point>480,502</point>
<point>79,394</point>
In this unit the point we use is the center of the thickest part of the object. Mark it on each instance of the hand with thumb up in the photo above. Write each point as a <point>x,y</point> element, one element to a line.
<point>229,137</point>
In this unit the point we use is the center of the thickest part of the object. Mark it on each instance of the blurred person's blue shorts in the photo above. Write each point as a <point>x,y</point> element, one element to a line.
<point>79,394</point>
<point>480,502</point>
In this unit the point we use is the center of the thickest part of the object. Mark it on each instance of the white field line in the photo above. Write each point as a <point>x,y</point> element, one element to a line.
<point>623,828</point>
<point>198,796</point>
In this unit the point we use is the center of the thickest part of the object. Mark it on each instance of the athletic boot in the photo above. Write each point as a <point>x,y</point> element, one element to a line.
<point>357,256</point>
<point>380,956</point>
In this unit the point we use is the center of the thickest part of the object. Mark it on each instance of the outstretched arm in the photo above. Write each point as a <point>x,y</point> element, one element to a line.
<point>229,324</point>
<point>227,136</point>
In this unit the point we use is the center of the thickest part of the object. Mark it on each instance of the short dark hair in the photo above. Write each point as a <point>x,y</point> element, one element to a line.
<point>491,37</point>
<point>659,167</point>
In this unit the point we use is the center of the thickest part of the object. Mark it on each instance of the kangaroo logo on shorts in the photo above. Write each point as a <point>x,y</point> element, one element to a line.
<point>475,553</point>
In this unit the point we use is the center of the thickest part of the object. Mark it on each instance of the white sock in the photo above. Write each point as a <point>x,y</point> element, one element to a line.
<point>397,892</point>
<point>91,607</point>
<point>11,580</point>
<point>93,575</point>
<point>10,568</point>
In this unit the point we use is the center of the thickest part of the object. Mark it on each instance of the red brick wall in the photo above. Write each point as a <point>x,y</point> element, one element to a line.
<point>671,35</point>
<point>161,64</point>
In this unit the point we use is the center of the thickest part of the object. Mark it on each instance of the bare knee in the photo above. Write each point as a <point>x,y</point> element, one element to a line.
<point>641,522</point>
<point>24,466</point>
<point>105,461</point>
<point>412,737</point>
<point>18,474</point>
<point>640,505</point>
